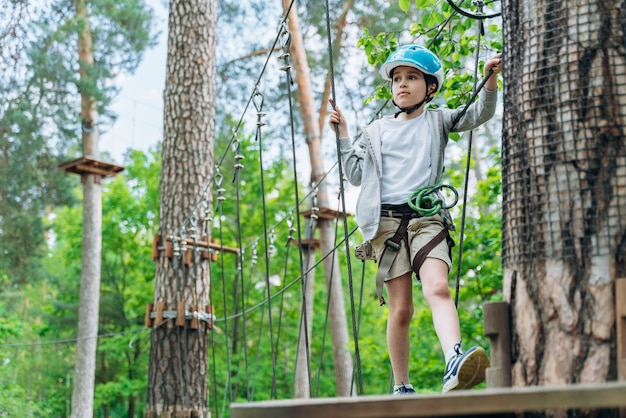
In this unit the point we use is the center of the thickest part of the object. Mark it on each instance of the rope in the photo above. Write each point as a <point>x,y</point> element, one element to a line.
<point>425,202</point>
<point>355,335</point>
<point>287,68</point>
<point>457,287</point>
<point>327,315</point>
<point>260,123</point>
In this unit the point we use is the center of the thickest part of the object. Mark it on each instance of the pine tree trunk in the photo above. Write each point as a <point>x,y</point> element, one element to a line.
<point>88,309</point>
<point>564,182</point>
<point>178,372</point>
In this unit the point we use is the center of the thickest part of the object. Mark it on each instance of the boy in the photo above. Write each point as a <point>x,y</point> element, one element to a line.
<point>396,156</point>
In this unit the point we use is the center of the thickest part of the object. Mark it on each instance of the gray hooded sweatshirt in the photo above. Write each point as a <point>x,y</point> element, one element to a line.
<point>362,161</point>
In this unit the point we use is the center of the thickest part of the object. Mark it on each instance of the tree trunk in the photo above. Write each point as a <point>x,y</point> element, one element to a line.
<point>88,308</point>
<point>178,372</point>
<point>564,182</point>
<point>337,312</point>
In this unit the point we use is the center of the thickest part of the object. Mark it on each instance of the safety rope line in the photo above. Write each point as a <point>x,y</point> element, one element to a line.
<point>359,318</point>
<point>327,314</point>
<point>218,178</point>
<point>240,263</point>
<point>285,36</point>
<point>258,104</point>
<point>304,320</point>
<point>227,393</point>
<point>477,89</point>
<point>282,295</point>
<point>343,207</point>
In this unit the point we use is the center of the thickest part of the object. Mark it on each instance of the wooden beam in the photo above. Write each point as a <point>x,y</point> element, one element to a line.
<point>206,244</point>
<point>324,213</point>
<point>459,404</point>
<point>306,244</point>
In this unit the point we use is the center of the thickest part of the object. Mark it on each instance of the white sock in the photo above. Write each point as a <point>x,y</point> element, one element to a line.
<point>451,353</point>
<point>408,386</point>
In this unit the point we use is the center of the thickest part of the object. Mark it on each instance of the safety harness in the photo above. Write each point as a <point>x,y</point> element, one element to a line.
<point>424,202</point>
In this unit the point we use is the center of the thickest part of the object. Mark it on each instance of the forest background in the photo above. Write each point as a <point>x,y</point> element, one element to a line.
<point>40,205</point>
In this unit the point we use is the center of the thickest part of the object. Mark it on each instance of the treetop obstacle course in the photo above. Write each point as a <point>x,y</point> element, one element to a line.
<point>563,137</point>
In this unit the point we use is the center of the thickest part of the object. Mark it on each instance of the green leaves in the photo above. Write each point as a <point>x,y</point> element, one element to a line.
<point>453,38</point>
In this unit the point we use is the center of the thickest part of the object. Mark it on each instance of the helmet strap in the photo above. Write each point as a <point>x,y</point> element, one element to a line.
<point>408,110</point>
<point>411,109</point>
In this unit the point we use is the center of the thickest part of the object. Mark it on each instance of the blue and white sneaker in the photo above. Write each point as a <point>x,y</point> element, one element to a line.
<point>465,370</point>
<point>403,390</point>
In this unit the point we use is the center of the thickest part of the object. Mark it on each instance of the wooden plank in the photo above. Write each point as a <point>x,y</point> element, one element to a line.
<point>461,403</point>
<point>147,320</point>
<point>159,314</point>
<point>180,314</point>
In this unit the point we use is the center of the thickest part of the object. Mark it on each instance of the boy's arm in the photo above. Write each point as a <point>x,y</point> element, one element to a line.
<point>484,108</point>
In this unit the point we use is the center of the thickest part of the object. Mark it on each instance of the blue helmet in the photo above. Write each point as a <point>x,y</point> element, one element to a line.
<point>415,56</point>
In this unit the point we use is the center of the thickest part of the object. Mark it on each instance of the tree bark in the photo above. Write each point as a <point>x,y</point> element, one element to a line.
<point>564,178</point>
<point>88,308</point>
<point>178,372</point>
<point>337,312</point>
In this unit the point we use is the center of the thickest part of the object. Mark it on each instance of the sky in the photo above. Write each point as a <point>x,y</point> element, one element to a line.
<point>139,105</point>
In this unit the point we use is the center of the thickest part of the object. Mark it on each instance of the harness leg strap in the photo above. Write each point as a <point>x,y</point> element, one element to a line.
<point>422,254</point>
<point>392,246</point>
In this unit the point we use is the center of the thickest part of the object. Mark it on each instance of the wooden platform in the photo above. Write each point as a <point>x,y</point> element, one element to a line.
<point>500,402</point>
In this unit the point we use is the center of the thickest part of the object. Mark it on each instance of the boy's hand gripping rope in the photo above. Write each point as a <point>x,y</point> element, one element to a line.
<point>425,202</point>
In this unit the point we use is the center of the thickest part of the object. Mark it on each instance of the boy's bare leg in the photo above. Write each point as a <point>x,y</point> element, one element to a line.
<point>400,301</point>
<point>434,277</point>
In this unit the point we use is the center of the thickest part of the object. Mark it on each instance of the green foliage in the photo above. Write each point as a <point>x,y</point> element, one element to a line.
<point>453,38</point>
<point>38,120</point>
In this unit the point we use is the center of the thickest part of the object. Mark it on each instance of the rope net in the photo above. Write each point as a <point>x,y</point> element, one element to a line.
<point>564,148</point>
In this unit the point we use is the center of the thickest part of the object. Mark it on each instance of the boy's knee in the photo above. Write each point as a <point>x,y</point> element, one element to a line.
<point>401,316</point>
<point>437,289</point>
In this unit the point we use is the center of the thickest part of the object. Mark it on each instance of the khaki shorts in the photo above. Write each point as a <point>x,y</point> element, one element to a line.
<point>420,231</point>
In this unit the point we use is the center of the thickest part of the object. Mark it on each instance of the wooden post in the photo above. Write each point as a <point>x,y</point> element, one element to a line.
<point>180,314</point>
<point>620,324</point>
<point>497,328</point>
<point>148,321</point>
<point>159,314</point>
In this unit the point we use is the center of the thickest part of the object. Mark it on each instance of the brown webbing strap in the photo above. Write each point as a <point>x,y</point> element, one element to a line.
<point>392,246</point>
<point>422,254</point>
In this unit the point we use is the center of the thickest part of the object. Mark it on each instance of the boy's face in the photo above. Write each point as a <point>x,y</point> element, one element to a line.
<point>408,86</point>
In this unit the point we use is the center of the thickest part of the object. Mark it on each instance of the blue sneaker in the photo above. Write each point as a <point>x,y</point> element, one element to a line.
<point>466,370</point>
<point>403,390</point>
